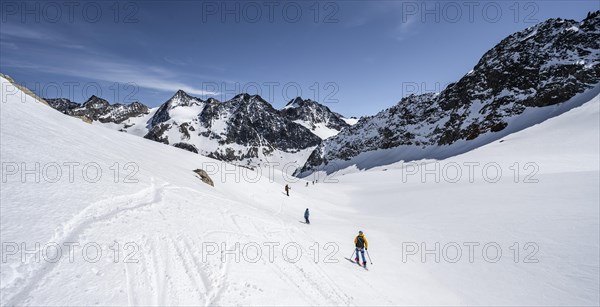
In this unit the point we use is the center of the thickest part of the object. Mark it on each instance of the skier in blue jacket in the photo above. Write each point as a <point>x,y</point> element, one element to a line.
<point>306,214</point>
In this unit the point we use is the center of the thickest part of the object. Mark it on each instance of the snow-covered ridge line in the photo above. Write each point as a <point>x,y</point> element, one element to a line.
<point>244,130</point>
<point>540,67</point>
<point>23,89</point>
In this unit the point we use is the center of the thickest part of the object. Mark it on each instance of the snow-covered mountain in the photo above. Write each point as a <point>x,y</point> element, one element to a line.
<point>245,130</point>
<point>538,68</point>
<point>180,99</point>
<point>314,116</point>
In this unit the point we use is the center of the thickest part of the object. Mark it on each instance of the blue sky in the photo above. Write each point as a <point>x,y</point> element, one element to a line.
<point>357,57</point>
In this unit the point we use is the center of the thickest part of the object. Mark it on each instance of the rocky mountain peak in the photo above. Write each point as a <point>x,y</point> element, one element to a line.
<point>247,98</point>
<point>241,96</point>
<point>295,103</point>
<point>245,128</point>
<point>62,105</point>
<point>543,65</point>
<point>313,115</point>
<point>96,108</point>
<point>95,102</point>
<point>212,100</point>
<point>183,99</point>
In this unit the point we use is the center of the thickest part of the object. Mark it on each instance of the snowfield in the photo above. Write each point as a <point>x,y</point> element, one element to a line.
<point>91,216</point>
<point>320,130</point>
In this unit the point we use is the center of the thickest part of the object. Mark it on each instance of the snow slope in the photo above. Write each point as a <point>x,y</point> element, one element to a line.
<point>321,130</point>
<point>350,121</point>
<point>170,218</point>
<point>380,158</point>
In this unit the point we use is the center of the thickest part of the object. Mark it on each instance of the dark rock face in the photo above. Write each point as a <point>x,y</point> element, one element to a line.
<point>62,105</point>
<point>313,113</point>
<point>389,128</point>
<point>253,121</point>
<point>185,129</point>
<point>540,66</point>
<point>243,127</point>
<point>96,108</point>
<point>186,146</point>
<point>157,132</point>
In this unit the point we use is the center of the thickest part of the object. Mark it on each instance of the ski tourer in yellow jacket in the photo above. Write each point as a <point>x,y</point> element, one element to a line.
<point>361,244</point>
<point>359,238</point>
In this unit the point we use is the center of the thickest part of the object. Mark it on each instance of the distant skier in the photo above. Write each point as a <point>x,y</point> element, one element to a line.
<point>287,190</point>
<point>307,184</point>
<point>306,214</point>
<point>361,244</point>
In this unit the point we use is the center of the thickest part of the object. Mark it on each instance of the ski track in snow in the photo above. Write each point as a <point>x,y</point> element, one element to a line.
<point>100,211</point>
<point>325,289</point>
<point>317,281</point>
<point>172,269</point>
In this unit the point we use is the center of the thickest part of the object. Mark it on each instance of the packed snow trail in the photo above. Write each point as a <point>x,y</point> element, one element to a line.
<point>103,210</point>
<point>156,222</point>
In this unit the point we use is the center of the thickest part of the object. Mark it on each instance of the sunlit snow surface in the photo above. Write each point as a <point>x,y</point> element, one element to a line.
<point>169,218</point>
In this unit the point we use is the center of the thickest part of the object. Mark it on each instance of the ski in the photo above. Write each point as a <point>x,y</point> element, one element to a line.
<point>356,263</point>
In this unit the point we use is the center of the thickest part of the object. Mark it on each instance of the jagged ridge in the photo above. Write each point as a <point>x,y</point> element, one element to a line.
<point>96,108</point>
<point>540,66</point>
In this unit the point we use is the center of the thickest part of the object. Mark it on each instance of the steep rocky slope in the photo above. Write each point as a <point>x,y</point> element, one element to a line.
<point>541,66</point>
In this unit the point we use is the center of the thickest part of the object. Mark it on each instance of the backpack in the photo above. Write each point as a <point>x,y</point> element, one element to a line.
<point>360,242</point>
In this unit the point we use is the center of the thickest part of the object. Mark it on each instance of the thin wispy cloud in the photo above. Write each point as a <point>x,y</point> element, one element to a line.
<point>407,27</point>
<point>16,34</point>
<point>89,63</point>
<point>8,45</point>
<point>15,31</point>
<point>394,17</point>
<point>174,61</point>
<point>150,77</point>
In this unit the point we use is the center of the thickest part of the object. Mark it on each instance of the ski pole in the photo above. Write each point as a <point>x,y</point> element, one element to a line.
<point>353,253</point>
<point>369,256</point>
